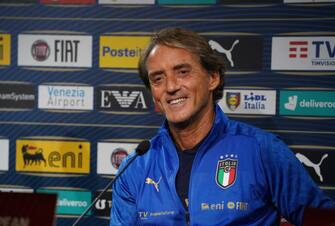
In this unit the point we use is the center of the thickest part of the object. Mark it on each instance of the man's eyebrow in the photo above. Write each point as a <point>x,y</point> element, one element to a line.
<point>175,68</point>
<point>153,73</point>
<point>180,66</point>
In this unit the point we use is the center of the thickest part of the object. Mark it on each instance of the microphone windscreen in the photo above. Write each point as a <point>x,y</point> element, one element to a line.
<point>143,147</point>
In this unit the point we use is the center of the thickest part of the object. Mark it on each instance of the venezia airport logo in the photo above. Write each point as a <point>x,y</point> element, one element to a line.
<point>258,102</point>
<point>55,50</point>
<point>51,156</point>
<point>121,51</point>
<point>303,53</point>
<point>17,96</point>
<point>123,99</point>
<point>65,97</point>
<point>5,43</point>
<point>309,103</point>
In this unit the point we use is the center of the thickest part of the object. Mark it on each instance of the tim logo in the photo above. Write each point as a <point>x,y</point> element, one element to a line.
<point>298,49</point>
<point>34,157</point>
<point>123,99</point>
<point>292,103</point>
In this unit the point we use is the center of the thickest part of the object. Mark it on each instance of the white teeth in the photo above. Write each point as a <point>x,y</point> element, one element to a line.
<point>177,101</point>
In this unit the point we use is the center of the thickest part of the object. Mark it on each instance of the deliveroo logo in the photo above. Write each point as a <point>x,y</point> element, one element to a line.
<point>307,103</point>
<point>292,103</point>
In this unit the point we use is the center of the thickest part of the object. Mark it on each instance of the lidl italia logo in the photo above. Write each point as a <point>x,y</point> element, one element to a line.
<point>121,51</point>
<point>310,103</point>
<point>50,156</point>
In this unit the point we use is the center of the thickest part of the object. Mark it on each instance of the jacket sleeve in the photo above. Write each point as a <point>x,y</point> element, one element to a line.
<point>290,186</point>
<point>123,210</point>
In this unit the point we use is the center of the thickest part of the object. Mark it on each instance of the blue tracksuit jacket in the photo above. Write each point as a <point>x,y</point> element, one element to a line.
<point>241,175</point>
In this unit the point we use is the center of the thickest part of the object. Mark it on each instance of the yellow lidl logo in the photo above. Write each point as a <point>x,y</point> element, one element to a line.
<point>4,49</point>
<point>53,156</point>
<point>121,51</point>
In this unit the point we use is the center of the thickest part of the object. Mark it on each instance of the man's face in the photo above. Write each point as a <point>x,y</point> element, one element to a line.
<point>181,87</point>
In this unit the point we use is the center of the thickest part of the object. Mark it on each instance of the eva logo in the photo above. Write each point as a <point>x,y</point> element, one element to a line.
<point>4,49</point>
<point>50,156</point>
<point>121,51</point>
<point>123,98</point>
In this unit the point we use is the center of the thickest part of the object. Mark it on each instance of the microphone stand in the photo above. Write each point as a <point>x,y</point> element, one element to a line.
<point>105,189</point>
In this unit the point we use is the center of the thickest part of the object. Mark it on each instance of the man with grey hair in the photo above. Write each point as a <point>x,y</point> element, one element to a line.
<point>202,168</point>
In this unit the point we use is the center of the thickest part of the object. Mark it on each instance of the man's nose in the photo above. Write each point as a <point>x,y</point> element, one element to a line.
<point>172,83</point>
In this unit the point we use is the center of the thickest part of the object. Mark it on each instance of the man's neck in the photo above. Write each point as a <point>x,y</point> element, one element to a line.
<point>187,137</point>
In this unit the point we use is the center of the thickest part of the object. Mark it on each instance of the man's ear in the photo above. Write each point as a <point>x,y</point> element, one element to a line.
<point>214,80</point>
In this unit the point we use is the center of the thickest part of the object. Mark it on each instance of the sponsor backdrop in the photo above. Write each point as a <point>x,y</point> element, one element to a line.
<point>72,105</point>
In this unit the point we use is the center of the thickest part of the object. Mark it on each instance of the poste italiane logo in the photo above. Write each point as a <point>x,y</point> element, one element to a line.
<point>121,51</point>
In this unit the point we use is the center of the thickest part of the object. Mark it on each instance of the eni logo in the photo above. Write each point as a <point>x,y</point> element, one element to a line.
<point>53,156</point>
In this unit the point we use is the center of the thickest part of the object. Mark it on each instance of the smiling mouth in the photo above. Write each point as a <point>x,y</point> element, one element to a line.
<point>177,101</point>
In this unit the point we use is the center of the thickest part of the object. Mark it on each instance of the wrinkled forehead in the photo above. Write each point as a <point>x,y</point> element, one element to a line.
<point>169,49</point>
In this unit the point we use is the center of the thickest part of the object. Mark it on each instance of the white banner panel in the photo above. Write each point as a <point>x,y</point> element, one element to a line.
<point>110,156</point>
<point>4,154</point>
<point>256,102</point>
<point>55,50</point>
<point>303,53</point>
<point>65,97</point>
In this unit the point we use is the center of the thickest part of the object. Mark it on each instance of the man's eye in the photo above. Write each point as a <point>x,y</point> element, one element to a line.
<point>156,79</point>
<point>183,72</point>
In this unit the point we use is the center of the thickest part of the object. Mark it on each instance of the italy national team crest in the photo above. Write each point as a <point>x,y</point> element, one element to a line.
<point>226,172</point>
<point>233,100</point>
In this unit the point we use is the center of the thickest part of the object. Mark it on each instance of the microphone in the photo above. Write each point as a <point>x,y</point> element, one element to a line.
<point>141,149</point>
